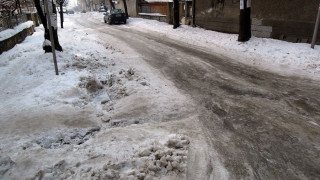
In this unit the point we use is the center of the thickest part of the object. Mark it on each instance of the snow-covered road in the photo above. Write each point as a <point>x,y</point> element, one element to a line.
<point>259,122</point>
<point>136,103</point>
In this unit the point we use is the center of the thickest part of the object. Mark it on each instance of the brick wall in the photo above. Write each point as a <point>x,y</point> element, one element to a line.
<point>159,8</point>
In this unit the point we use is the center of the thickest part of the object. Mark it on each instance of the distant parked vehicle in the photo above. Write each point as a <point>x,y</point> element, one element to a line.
<point>64,10</point>
<point>83,11</point>
<point>103,9</point>
<point>70,12</point>
<point>115,16</point>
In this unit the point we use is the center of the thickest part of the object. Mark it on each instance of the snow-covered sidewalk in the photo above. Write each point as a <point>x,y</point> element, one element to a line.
<point>109,114</point>
<point>267,54</point>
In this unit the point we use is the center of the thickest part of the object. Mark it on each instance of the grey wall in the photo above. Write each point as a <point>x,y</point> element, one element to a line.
<point>218,15</point>
<point>280,19</point>
<point>292,20</point>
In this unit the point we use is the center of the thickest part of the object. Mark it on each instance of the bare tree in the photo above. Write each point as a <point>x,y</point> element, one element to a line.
<point>88,4</point>
<point>125,8</point>
<point>111,4</point>
<point>62,3</point>
<point>47,46</point>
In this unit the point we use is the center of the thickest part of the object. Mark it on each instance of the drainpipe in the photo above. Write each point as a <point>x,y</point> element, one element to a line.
<point>245,21</point>
<point>316,28</point>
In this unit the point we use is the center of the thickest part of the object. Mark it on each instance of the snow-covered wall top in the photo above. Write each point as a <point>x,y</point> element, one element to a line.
<point>11,32</point>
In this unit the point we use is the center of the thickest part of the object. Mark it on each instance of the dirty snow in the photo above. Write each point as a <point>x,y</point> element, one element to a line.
<point>86,122</point>
<point>109,114</point>
<point>11,32</point>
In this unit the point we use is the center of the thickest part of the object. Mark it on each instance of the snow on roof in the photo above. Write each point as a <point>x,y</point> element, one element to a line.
<point>152,14</point>
<point>150,1</point>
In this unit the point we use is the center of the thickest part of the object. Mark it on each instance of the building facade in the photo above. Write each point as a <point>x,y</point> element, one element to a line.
<point>280,19</point>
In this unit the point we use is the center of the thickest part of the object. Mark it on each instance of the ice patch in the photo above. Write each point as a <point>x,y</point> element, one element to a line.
<point>314,123</point>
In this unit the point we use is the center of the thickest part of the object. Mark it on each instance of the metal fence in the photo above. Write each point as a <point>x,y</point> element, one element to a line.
<point>12,21</point>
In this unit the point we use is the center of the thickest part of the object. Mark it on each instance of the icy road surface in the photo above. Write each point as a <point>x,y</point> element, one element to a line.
<point>263,125</point>
<point>135,103</point>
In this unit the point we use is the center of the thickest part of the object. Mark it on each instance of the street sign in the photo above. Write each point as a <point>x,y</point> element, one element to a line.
<point>54,22</point>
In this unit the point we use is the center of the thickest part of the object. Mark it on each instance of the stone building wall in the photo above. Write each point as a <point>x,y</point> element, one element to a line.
<point>218,15</point>
<point>280,19</point>
<point>286,20</point>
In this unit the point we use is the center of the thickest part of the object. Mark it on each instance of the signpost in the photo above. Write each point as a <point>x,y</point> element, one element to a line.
<point>52,22</point>
<point>316,28</point>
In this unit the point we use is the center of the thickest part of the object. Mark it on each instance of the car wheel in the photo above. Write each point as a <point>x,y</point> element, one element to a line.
<point>125,22</point>
<point>105,21</point>
<point>110,22</point>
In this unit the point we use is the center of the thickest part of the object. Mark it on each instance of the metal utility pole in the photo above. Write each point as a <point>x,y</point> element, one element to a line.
<point>125,8</point>
<point>245,21</point>
<point>316,28</point>
<point>48,16</point>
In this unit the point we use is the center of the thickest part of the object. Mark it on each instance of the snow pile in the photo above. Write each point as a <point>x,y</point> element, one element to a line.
<point>165,157</point>
<point>160,158</point>
<point>152,162</point>
<point>11,32</point>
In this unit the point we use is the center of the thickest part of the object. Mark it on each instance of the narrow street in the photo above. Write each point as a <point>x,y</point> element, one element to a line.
<point>262,125</point>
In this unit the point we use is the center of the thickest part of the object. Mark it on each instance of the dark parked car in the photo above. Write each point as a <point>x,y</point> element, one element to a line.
<point>115,16</point>
<point>70,12</point>
<point>83,11</point>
